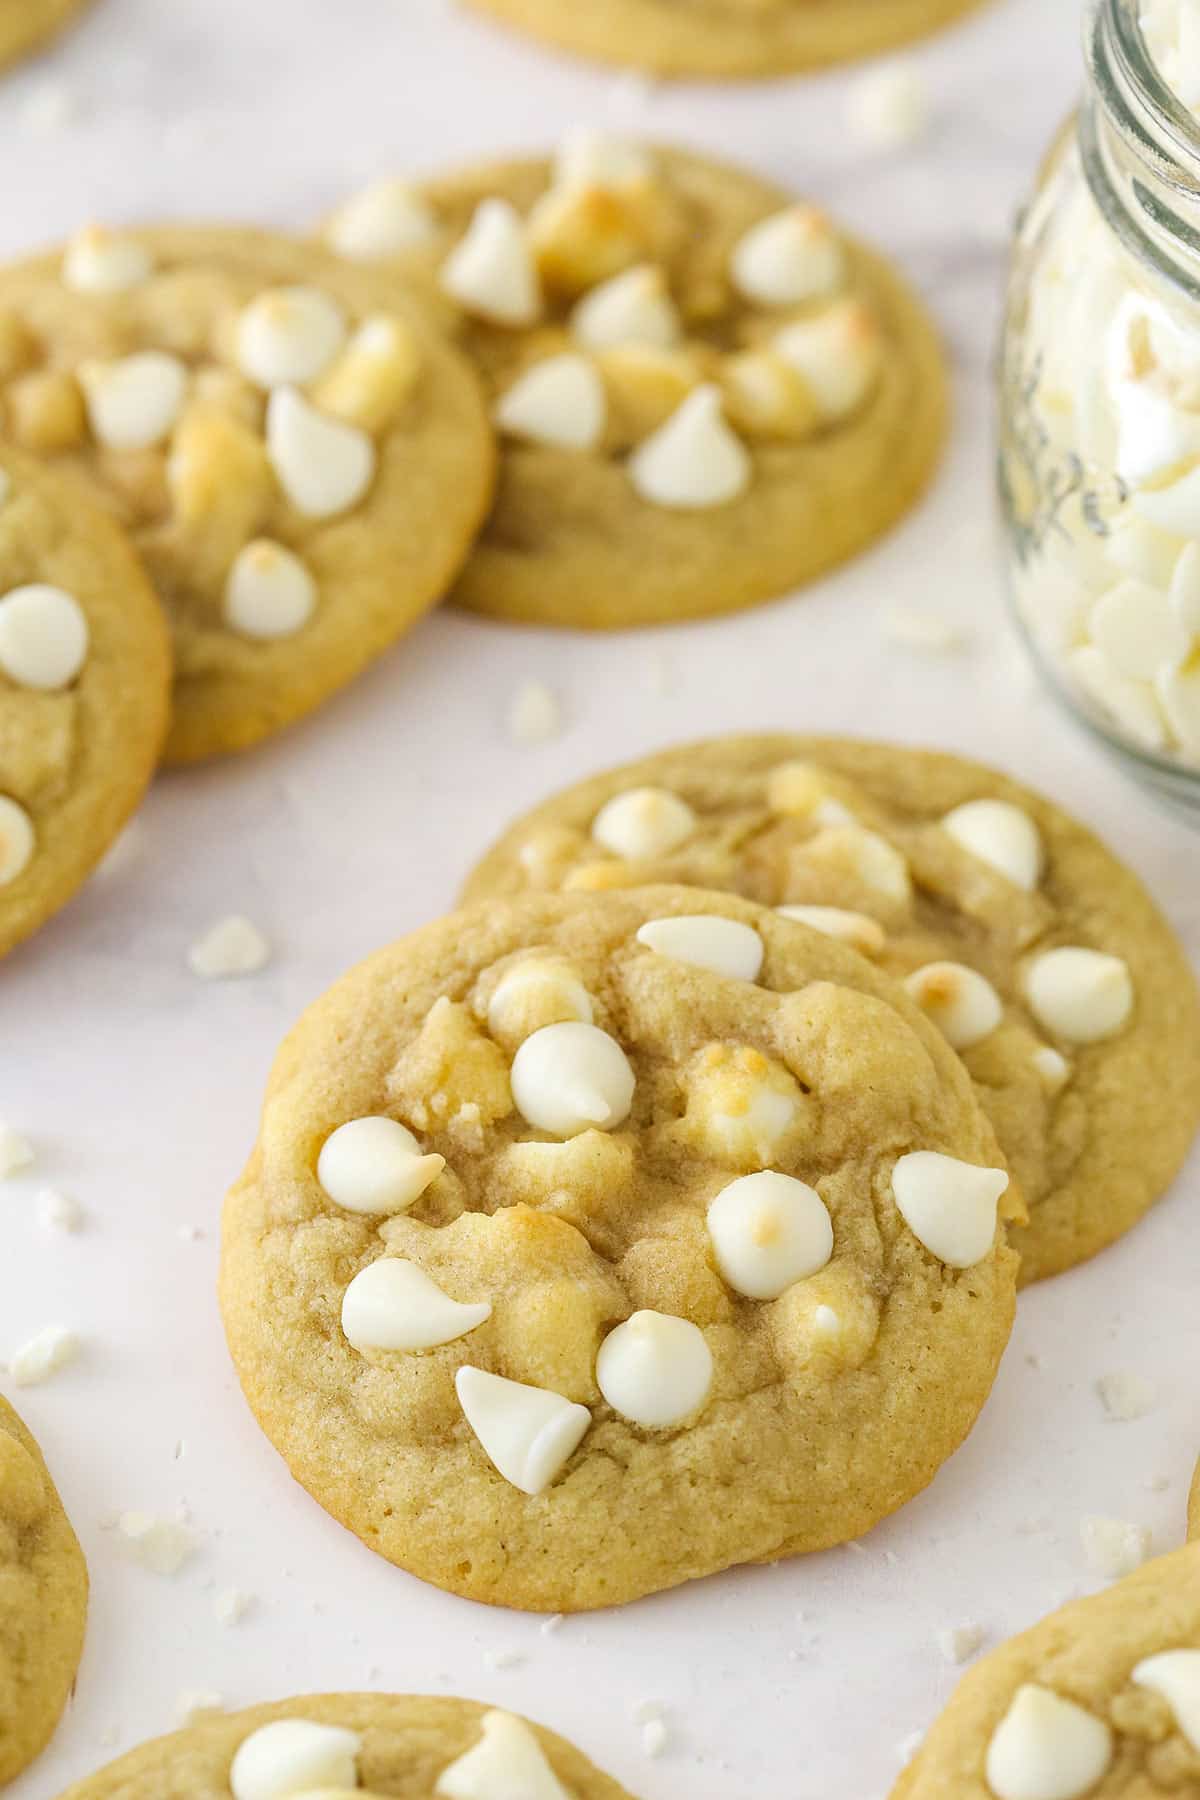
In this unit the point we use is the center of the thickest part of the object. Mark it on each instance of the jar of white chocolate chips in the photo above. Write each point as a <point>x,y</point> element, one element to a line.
<point>1100,397</point>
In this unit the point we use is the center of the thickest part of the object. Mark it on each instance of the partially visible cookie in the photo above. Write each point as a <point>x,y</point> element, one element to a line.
<point>338,1746</point>
<point>595,1243</point>
<point>85,683</point>
<point>707,393</point>
<point>26,24</point>
<point>1083,1035</point>
<point>43,1600</point>
<point>299,456</point>
<point>1101,1699</point>
<point>1194,1506</point>
<point>720,38</point>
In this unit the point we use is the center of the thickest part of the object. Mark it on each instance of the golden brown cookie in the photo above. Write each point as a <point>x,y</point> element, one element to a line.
<point>43,1600</point>
<point>337,1746</point>
<point>85,683</point>
<point>707,394</point>
<point>299,457</point>
<point>595,1243</point>
<point>1091,1075</point>
<point>1194,1506</point>
<point>1101,1699</point>
<point>26,24</point>
<point>721,38</point>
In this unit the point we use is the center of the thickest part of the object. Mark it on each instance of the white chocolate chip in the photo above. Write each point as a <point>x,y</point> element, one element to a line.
<point>535,714</point>
<point>17,840</point>
<point>58,1211</point>
<point>589,158</point>
<point>162,1546</point>
<point>292,1756</point>
<point>792,256</point>
<point>707,941</point>
<point>888,108</point>
<point>871,859</point>
<point>1083,996</point>
<point>694,460</point>
<point>1052,1067</point>
<point>528,1433</point>
<point>97,261</point>
<point>1113,1548</point>
<point>535,987</point>
<point>1137,631</point>
<point>375,1165</point>
<point>949,1206</point>
<point>1184,592</point>
<point>634,307</point>
<point>16,1152</point>
<point>52,1349</point>
<point>490,272</point>
<point>963,1004</point>
<point>862,933</point>
<point>1133,704</point>
<point>1125,1396</point>
<point>655,1369</point>
<point>769,1231</point>
<point>1178,694</point>
<point>289,335</point>
<point>268,593</point>
<point>43,636</point>
<point>383,220</point>
<point>324,466</point>
<point>507,1762</point>
<point>394,1305</point>
<point>644,823</point>
<point>132,404</point>
<point>572,1077</point>
<point>1047,1748</point>
<point>231,1606</point>
<point>958,1643</point>
<point>1000,835</point>
<point>838,353</point>
<point>1175,1674</point>
<point>559,401</point>
<point>232,947</point>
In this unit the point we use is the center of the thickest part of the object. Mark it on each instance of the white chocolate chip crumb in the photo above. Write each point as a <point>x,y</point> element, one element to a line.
<point>958,1643</point>
<point>44,1355</point>
<point>1126,1396</point>
<point>1158,1484</point>
<point>50,107</point>
<point>162,1546</point>
<point>231,947</point>
<point>1113,1547</point>
<point>889,108</point>
<point>534,714</point>
<point>189,1234</point>
<point>195,1704</point>
<point>655,1737</point>
<point>231,1606</point>
<point>57,1211</point>
<point>922,630</point>
<point>503,1659</point>
<point>16,1152</point>
<point>550,1625</point>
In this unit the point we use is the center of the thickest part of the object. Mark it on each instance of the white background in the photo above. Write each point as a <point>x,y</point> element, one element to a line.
<point>140,1085</point>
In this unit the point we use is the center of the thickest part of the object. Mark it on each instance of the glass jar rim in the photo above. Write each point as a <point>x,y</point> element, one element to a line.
<point>1115,27</point>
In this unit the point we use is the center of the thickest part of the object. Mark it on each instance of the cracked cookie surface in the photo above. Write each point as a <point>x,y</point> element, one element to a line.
<point>299,458</point>
<point>43,1600</point>
<point>85,679</point>
<point>707,394</point>
<point>544,1109</point>
<point>1095,1130</point>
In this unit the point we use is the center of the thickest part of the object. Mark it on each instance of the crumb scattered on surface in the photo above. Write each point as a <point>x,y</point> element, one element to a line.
<point>503,1659</point>
<point>161,1545</point>
<point>57,1211</point>
<point>958,1643</point>
<point>922,630</point>
<point>231,1606</point>
<point>16,1152</point>
<point>230,947</point>
<point>49,107</point>
<point>551,1624</point>
<point>1126,1396</point>
<point>1113,1547</point>
<point>534,714</point>
<point>50,1350</point>
<point>655,1737</point>
<point>889,108</point>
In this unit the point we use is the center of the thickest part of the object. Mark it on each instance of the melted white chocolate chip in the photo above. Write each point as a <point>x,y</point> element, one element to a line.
<point>792,256</point>
<point>375,1165</point>
<point>634,307</point>
<point>589,158</point>
<point>293,1756</point>
<point>17,840</point>
<point>838,353</point>
<point>133,403</point>
<point>528,1433</point>
<point>963,1004</point>
<point>490,271</point>
<point>949,1206</point>
<point>693,461</point>
<point>268,593</point>
<point>97,261</point>
<point>534,993</point>
<point>644,823</point>
<point>394,1305</point>
<point>560,402</point>
<point>768,1231</point>
<point>864,934</point>
<point>572,1077</point>
<point>655,1370</point>
<point>43,637</point>
<point>289,335</point>
<point>1083,996</point>
<point>1047,1748</point>
<point>724,946</point>
<point>385,219</point>
<point>507,1763</point>
<point>1000,835</point>
<point>1175,1674</point>
<point>324,466</point>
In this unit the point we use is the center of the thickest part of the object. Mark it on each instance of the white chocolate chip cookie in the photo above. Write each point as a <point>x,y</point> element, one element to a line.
<point>1041,959</point>
<point>706,393</point>
<point>639,1264</point>
<point>43,1600</point>
<point>299,458</point>
<point>1098,1702</point>
<point>355,1747</point>
<point>85,681</point>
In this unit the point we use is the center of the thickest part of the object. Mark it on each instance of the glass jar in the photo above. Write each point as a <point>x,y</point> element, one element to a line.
<point>1100,412</point>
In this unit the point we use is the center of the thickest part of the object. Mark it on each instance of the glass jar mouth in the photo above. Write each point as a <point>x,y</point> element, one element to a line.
<point>1115,44</point>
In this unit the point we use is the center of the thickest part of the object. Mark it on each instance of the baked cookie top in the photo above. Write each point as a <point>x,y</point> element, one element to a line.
<point>726,37</point>
<point>1041,957</point>
<point>594,1243</point>
<point>43,1600</point>
<point>342,1746</point>
<point>1101,1699</point>
<point>25,24</point>
<point>85,682</point>
<point>300,459</point>
<point>707,394</point>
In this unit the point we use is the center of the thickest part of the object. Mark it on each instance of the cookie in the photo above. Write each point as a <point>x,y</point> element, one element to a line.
<point>707,393</point>
<point>1088,1063</point>
<point>596,1243</point>
<point>299,457</point>
<point>1194,1506</point>
<point>85,683</point>
<point>730,37</point>
<point>1101,1699</point>
<point>375,1746</point>
<point>43,1600</point>
<point>26,24</point>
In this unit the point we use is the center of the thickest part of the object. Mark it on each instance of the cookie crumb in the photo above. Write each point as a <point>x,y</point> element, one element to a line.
<point>655,1737</point>
<point>958,1643</point>
<point>160,1545</point>
<point>44,1355</point>
<point>503,1659</point>
<point>231,947</point>
<point>1125,1396</point>
<point>231,1606</point>
<point>1113,1547</point>
<point>57,1211</point>
<point>1158,1484</point>
<point>889,108</point>
<point>192,1706</point>
<point>534,714</point>
<point>16,1152</point>
<point>922,630</point>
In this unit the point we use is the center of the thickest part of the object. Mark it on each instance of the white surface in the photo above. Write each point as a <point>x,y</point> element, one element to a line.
<point>141,1084</point>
